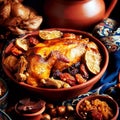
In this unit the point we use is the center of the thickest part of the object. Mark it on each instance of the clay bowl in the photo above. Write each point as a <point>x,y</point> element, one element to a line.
<point>35,114</point>
<point>104,98</point>
<point>61,94</point>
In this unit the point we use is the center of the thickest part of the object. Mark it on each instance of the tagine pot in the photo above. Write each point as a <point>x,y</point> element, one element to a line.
<point>77,14</point>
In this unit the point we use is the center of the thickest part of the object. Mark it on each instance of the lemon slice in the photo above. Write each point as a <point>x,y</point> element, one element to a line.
<point>48,35</point>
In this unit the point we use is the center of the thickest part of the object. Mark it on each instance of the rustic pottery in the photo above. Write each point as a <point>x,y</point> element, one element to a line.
<point>28,109</point>
<point>109,100</point>
<point>61,94</point>
<point>77,14</point>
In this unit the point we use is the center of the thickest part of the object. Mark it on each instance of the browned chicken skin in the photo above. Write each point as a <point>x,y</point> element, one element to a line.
<point>57,54</point>
<point>72,49</point>
<point>40,68</point>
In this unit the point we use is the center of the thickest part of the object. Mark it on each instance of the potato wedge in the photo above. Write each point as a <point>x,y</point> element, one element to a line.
<point>54,83</point>
<point>93,58</point>
<point>22,44</point>
<point>48,35</point>
<point>91,44</point>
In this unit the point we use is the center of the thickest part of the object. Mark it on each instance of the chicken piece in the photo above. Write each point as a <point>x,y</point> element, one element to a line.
<point>5,9</point>
<point>55,54</point>
<point>54,83</point>
<point>32,81</point>
<point>10,62</point>
<point>22,66</point>
<point>40,68</point>
<point>72,49</point>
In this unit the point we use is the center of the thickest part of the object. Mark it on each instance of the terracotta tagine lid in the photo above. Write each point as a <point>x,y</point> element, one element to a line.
<point>77,14</point>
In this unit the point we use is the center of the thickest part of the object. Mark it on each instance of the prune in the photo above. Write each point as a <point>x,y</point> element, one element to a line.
<point>73,71</point>
<point>68,78</point>
<point>84,71</point>
<point>56,74</point>
<point>77,64</point>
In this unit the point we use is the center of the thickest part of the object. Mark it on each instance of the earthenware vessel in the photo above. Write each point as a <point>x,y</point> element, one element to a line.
<point>56,95</point>
<point>28,109</point>
<point>103,98</point>
<point>77,14</point>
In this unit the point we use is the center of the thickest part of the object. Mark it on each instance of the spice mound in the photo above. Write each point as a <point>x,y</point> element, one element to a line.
<point>97,109</point>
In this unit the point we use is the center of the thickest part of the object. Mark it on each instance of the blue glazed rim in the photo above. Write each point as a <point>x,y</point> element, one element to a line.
<point>4,115</point>
<point>6,92</point>
<point>3,98</point>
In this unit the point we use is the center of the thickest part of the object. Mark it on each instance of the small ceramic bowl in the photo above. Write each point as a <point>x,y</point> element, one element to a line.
<point>3,94</point>
<point>30,109</point>
<point>4,116</point>
<point>94,106</point>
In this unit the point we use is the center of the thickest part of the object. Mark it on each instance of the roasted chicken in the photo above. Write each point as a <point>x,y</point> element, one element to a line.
<point>37,64</point>
<point>57,54</point>
<point>72,49</point>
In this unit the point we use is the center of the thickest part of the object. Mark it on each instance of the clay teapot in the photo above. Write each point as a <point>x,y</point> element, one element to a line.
<point>76,14</point>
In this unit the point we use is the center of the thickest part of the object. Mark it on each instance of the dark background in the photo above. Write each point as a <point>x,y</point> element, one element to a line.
<point>38,6</point>
<point>116,12</point>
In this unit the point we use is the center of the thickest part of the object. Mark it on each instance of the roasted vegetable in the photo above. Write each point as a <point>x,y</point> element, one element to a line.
<point>22,44</point>
<point>18,18</point>
<point>54,83</point>
<point>93,58</point>
<point>48,35</point>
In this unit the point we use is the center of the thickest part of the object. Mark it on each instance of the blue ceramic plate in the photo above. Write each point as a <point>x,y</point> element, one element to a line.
<point>4,116</point>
